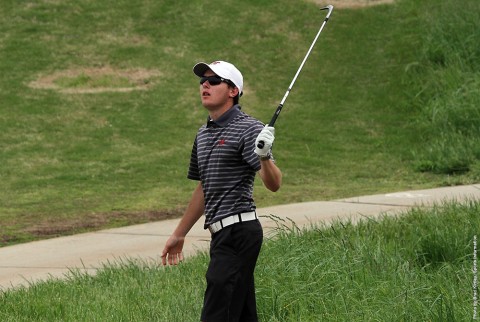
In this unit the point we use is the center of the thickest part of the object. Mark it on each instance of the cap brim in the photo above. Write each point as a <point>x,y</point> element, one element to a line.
<point>200,69</point>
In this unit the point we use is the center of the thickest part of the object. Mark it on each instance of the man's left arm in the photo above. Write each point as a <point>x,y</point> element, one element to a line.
<point>270,175</point>
<point>269,172</point>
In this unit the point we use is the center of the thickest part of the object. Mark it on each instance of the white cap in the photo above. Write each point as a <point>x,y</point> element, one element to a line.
<point>222,69</point>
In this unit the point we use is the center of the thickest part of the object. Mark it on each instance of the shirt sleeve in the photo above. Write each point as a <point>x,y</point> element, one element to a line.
<point>249,138</point>
<point>193,170</point>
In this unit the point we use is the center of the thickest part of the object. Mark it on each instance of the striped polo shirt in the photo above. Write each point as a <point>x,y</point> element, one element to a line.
<point>223,159</point>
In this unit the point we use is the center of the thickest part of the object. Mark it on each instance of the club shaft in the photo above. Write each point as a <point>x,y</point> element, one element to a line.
<point>282,102</point>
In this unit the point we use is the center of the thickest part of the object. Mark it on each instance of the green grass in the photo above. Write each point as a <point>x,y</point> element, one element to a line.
<point>387,101</point>
<point>417,267</point>
<point>76,162</point>
<point>446,89</point>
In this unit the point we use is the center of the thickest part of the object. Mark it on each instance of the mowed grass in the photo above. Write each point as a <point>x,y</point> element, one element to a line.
<point>76,162</point>
<point>85,161</point>
<point>417,267</point>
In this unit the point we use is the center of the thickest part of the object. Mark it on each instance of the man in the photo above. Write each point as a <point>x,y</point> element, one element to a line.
<point>225,159</point>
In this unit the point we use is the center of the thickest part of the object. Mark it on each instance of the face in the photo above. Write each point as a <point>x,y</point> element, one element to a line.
<point>217,97</point>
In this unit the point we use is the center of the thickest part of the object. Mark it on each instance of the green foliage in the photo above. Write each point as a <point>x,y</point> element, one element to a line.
<point>446,91</point>
<point>415,267</point>
<point>380,83</point>
<point>72,162</point>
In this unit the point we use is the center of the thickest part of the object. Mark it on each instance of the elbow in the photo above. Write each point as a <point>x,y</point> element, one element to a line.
<point>274,186</point>
<point>272,179</point>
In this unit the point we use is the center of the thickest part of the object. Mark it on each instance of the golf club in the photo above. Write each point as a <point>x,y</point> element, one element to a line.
<point>280,106</point>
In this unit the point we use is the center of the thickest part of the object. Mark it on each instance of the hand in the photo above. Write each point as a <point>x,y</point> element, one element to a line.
<point>267,136</point>
<point>172,253</point>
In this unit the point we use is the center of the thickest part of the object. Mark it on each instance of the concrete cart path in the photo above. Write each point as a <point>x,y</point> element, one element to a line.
<point>23,264</point>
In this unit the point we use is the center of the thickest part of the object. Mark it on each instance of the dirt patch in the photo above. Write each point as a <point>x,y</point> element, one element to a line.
<point>92,222</point>
<point>97,80</point>
<point>351,3</point>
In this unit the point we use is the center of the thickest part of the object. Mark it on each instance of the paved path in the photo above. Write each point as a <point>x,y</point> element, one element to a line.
<point>26,263</point>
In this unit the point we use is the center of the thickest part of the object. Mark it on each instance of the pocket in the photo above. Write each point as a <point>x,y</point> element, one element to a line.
<point>247,236</point>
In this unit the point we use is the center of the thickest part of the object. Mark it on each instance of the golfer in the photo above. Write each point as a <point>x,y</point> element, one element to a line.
<point>225,159</point>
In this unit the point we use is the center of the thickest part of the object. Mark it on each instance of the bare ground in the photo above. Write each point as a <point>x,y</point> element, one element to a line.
<point>351,3</point>
<point>38,230</point>
<point>140,78</point>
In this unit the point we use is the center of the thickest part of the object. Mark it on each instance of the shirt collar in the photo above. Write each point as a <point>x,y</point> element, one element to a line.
<point>225,118</point>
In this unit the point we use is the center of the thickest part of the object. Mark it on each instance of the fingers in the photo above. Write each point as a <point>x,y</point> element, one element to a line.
<point>266,136</point>
<point>164,258</point>
<point>172,253</point>
<point>164,255</point>
<point>172,259</point>
<point>270,129</point>
<point>180,257</point>
<point>175,259</point>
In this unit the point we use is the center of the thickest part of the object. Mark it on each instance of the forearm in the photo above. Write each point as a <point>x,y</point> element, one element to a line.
<point>270,175</point>
<point>195,210</point>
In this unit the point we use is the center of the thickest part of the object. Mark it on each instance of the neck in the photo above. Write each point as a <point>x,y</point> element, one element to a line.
<point>215,114</point>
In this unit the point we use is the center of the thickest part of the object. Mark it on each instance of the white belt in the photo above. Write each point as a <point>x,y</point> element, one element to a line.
<point>225,222</point>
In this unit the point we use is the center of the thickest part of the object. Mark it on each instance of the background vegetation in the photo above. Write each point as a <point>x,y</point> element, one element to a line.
<point>387,101</point>
<point>382,83</point>
<point>445,89</point>
<point>417,267</point>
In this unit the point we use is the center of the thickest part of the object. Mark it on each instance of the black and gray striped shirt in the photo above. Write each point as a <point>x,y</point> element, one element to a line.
<point>223,158</point>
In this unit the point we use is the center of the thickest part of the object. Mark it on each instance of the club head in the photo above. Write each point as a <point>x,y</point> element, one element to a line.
<point>329,8</point>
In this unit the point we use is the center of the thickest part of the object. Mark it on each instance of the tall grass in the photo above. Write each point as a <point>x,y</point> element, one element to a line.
<point>417,267</point>
<point>447,81</point>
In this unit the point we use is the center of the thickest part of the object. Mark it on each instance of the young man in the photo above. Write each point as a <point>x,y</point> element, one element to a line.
<point>225,159</point>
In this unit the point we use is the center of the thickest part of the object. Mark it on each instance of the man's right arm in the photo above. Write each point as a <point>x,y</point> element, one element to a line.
<point>172,253</point>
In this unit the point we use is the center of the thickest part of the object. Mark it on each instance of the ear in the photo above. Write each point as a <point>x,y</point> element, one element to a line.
<point>233,91</point>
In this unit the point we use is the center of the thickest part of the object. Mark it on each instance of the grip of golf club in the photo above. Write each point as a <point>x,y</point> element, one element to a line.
<point>261,144</point>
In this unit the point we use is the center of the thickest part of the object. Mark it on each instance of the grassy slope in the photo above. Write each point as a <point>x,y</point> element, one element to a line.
<point>73,162</point>
<point>61,159</point>
<point>414,268</point>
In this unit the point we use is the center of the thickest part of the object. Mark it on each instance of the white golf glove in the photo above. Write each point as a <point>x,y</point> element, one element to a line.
<point>267,136</point>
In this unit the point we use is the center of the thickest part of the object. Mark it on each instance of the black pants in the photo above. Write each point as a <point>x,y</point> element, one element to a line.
<point>230,293</point>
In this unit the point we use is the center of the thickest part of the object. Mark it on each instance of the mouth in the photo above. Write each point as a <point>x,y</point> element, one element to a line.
<point>205,94</point>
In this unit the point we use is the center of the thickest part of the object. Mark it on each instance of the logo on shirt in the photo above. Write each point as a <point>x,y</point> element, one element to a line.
<point>221,142</point>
